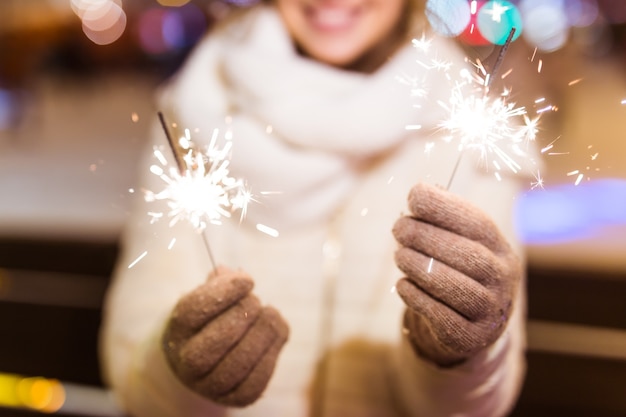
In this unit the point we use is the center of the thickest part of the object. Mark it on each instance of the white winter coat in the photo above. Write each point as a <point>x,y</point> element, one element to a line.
<point>334,149</point>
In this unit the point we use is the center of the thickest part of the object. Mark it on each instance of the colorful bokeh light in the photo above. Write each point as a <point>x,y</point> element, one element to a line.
<point>164,30</point>
<point>545,24</point>
<point>35,393</point>
<point>448,18</point>
<point>568,212</point>
<point>103,21</point>
<point>496,20</point>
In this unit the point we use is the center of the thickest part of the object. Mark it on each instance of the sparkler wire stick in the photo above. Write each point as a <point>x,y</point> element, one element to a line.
<point>487,84</point>
<point>500,58</point>
<point>456,166</point>
<point>179,160</point>
<point>181,168</point>
<point>496,67</point>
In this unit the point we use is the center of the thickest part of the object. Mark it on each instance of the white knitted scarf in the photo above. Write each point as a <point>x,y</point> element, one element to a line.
<point>300,128</point>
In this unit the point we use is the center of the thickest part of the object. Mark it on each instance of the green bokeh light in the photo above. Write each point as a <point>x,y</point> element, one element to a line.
<point>496,19</point>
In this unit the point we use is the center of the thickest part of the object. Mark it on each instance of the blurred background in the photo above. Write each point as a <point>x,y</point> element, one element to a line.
<point>77,78</point>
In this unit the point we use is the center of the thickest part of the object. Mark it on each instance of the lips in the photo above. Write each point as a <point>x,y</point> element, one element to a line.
<point>332,18</point>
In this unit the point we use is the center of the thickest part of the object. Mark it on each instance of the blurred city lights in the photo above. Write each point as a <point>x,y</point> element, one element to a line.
<point>545,24</point>
<point>496,19</point>
<point>448,18</point>
<point>50,396</point>
<point>7,109</point>
<point>582,13</point>
<point>150,31</point>
<point>173,3</point>
<point>36,393</point>
<point>475,22</point>
<point>163,30</point>
<point>103,21</point>
<point>571,212</point>
<point>242,3</point>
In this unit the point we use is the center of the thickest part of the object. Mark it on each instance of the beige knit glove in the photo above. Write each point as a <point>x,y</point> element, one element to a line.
<point>461,276</point>
<point>221,342</point>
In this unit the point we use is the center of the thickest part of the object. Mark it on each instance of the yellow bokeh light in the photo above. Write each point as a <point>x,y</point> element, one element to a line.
<point>38,393</point>
<point>46,395</point>
<point>8,390</point>
<point>172,3</point>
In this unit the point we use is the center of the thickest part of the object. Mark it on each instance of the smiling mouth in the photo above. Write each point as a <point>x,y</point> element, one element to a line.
<point>332,18</point>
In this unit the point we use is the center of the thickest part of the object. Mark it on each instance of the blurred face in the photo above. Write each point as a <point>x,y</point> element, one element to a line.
<point>338,32</point>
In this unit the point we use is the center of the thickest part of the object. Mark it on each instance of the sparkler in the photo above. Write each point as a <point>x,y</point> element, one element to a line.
<point>476,118</point>
<point>199,188</point>
<point>486,123</point>
<point>483,122</point>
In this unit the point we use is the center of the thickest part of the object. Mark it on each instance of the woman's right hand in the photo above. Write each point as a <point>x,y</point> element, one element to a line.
<point>221,342</point>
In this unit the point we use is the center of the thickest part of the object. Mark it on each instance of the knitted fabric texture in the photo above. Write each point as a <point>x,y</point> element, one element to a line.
<point>461,276</point>
<point>221,342</point>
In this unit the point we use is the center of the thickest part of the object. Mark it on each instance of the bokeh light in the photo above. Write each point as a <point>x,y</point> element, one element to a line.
<point>150,31</point>
<point>471,35</point>
<point>8,108</point>
<point>173,3</point>
<point>242,3</point>
<point>164,30</point>
<point>496,20</point>
<point>582,13</point>
<point>475,22</point>
<point>36,393</point>
<point>448,17</point>
<point>103,21</point>
<point>571,212</point>
<point>544,24</point>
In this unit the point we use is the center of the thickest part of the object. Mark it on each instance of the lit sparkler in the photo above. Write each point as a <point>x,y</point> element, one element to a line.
<point>486,123</point>
<point>199,189</point>
<point>483,122</point>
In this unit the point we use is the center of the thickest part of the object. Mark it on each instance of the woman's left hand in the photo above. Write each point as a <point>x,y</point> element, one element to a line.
<point>461,276</point>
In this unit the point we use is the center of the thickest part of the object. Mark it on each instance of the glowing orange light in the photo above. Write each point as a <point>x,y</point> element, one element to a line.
<point>38,393</point>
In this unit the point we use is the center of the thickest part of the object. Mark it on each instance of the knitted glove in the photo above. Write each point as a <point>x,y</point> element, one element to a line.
<point>221,342</point>
<point>461,276</point>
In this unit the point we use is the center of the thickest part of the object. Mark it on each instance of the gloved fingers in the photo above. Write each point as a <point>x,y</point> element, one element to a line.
<point>427,338</point>
<point>208,300</point>
<point>251,388</point>
<point>238,364</point>
<point>459,292</point>
<point>466,256</point>
<point>201,353</point>
<point>439,207</point>
<point>452,331</point>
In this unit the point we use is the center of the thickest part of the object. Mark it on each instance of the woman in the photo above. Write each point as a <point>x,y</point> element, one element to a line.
<point>309,322</point>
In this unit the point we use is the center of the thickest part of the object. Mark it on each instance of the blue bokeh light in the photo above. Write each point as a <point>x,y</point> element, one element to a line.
<point>547,25</point>
<point>568,212</point>
<point>496,19</point>
<point>448,17</point>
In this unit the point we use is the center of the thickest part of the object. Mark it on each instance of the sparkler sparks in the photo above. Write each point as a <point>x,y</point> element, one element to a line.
<point>538,183</point>
<point>199,189</point>
<point>202,193</point>
<point>477,118</point>
<point>483,123</point>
